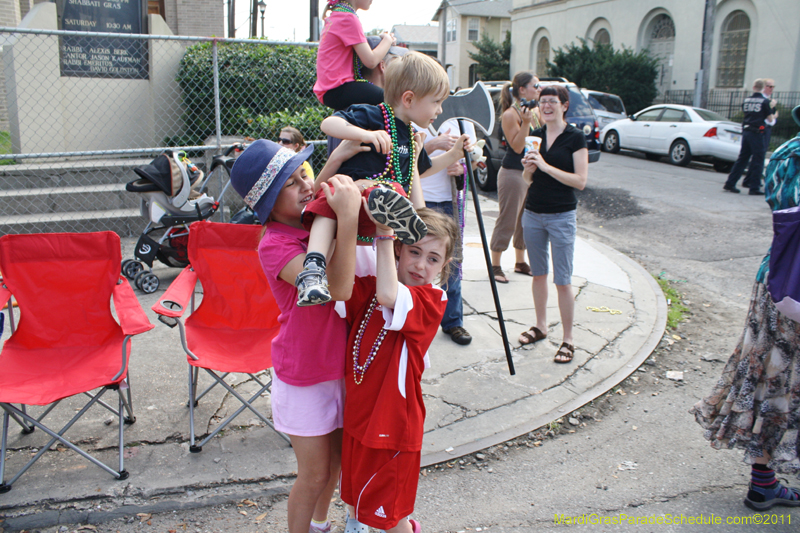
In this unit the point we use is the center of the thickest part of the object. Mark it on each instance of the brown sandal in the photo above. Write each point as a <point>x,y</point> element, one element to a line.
<point>523,268</point>
<point>565,353</point>
<point>526,338</point>
<point>498,272</point>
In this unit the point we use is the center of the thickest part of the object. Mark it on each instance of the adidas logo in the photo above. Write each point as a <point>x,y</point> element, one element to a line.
<point>380,512</point>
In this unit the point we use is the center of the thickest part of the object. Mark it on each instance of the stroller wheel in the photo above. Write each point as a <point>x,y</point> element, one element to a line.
<point>131,268</point>
<point>147,282</point>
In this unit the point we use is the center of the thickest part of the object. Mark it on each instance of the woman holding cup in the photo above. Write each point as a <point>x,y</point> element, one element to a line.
<point>520,115</point>
<point>555,170</point>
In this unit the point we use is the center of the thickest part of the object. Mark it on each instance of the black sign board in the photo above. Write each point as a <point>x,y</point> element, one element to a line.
<point>103,57</point>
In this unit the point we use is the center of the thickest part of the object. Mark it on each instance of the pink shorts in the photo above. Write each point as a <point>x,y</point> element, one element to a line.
<point>310,411</point>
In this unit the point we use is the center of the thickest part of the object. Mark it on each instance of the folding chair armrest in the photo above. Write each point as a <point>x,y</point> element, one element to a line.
<point>5,294</point>
<point>176,299</point>
<point>130,313</point>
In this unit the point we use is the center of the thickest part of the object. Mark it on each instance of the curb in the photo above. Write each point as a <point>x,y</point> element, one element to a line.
<point>597,390</point>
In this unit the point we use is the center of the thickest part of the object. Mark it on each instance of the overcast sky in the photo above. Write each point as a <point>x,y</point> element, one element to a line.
<point>288,19</point>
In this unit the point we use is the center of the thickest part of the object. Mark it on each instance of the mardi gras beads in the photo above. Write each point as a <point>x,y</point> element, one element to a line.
<point>360,370</point>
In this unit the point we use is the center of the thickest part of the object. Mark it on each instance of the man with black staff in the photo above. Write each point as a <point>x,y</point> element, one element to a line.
<point>757,115</point>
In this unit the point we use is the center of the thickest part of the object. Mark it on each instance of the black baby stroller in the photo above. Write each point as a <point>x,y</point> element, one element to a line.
<point>174,195</point>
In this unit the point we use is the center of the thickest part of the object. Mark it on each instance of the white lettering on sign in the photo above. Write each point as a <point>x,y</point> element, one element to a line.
<point>751,106</point>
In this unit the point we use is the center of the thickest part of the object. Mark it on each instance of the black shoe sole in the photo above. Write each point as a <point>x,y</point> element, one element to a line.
<point>394,210</point>
<point>730,190</point>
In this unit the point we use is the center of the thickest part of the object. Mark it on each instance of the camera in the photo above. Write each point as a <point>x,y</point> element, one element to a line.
<point>530,104</point>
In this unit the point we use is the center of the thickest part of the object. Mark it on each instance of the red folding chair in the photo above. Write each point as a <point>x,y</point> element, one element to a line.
<point>67,341</point>
<point>231,331</point>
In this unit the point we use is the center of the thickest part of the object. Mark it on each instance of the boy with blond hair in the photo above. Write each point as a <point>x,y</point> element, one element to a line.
<point>416,86</point>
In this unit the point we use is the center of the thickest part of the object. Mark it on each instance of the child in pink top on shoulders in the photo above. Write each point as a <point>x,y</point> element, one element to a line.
<point>343,50</point>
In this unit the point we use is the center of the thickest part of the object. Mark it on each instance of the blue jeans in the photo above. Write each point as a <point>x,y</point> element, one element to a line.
<point>454,312</point>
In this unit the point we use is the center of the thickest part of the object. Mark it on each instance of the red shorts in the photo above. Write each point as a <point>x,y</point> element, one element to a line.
<point>380,484</point>
<point>319,207</point>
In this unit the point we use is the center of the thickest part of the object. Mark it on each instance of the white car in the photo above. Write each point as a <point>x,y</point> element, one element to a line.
<point>681,132</point>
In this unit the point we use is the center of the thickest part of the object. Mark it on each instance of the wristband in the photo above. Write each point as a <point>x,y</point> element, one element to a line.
<point>377,238</point>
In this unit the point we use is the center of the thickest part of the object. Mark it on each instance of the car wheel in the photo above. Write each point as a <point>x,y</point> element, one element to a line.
<point>679,153</point>
<point>611,142</point>
<point>723,166</point>
<point>652,157</point>
<point>487,177</point>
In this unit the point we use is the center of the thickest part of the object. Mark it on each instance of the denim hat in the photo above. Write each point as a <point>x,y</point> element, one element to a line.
<point>373,41</point>
<point>261,171</point>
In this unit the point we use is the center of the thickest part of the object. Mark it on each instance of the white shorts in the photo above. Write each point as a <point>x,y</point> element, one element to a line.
<point>310,411</point>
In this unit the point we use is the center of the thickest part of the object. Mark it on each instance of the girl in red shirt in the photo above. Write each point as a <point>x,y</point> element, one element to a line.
<point>394,318</point>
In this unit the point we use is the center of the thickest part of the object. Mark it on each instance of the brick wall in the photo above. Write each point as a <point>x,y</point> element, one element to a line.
<point>200,17</point>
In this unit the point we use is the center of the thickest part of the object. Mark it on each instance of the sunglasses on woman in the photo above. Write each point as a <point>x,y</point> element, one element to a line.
<point>281,140</point>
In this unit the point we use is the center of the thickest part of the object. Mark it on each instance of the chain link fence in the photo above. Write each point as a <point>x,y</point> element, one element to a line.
<point>729,104</point>
<point>79,111</point>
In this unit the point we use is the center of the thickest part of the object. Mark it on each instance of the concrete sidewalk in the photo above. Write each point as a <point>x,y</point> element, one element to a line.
<point>472,400</point>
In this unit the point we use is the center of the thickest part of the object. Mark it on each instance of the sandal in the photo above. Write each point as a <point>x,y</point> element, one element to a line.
<point>523,268</point>
<point>565,353</point>
<point>526,338</point>
<point>497,272</point>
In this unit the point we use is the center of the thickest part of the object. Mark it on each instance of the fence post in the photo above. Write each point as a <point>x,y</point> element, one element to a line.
<point>730,105</point>
<point>218,121</point>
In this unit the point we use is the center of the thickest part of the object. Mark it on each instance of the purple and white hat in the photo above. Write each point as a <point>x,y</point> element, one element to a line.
<point>261,171</point>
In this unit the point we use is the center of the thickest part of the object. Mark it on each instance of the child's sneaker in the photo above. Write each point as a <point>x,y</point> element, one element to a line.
<point>354,526</point>
<point>762,498</point>
<point>314,528</point>
<point>312,286</point>
<point>394,210</point>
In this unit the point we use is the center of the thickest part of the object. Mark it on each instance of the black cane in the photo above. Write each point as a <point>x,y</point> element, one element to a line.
<point>487,255</point>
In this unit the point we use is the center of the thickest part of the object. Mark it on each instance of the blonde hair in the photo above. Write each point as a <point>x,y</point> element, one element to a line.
<point>296,137</point>
<point>441,226</point>
<point>415,72</point>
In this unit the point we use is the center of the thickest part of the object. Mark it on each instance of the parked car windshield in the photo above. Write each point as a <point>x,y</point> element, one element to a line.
<point>578,106</point>
<point>606,102</point>
<point>705,114</point>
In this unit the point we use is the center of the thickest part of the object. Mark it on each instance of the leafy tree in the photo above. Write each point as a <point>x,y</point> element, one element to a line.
<point>628,74</point>
<point>493,58</point>
<point>256,81</point>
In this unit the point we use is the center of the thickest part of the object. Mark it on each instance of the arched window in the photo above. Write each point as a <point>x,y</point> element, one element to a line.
<point>473,74</point>
<point>733,50</point>
<point>602,37</point>
<point>660,41</point>
<point>542,56</point>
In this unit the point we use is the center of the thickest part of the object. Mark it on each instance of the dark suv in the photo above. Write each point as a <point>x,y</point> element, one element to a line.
<point>579,114</point>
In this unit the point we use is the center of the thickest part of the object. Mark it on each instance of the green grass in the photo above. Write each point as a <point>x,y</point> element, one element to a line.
<point>676,311</point>
<point>5,147</point>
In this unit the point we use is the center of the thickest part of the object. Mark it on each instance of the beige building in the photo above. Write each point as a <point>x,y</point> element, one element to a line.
<point>751,38</point>
<point>423,39</point>
<point>461,24</point>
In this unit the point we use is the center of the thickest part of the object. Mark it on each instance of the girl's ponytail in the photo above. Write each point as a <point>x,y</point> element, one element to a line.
<point>506,98</point>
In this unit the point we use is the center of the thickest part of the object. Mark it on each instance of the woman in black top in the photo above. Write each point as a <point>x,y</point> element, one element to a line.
<point>516,124</point>
<point>555,171</point>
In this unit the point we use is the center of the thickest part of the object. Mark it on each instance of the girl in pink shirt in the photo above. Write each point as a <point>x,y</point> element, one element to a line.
<point>343,50</point>
<point>309,351</point>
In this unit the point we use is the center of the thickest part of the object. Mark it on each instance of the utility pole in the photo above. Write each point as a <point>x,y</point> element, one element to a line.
<point>443,23</point>
<point>231,19</point>
<point>254,18</point>
<point>705,57</point>
<point>313,30</point>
